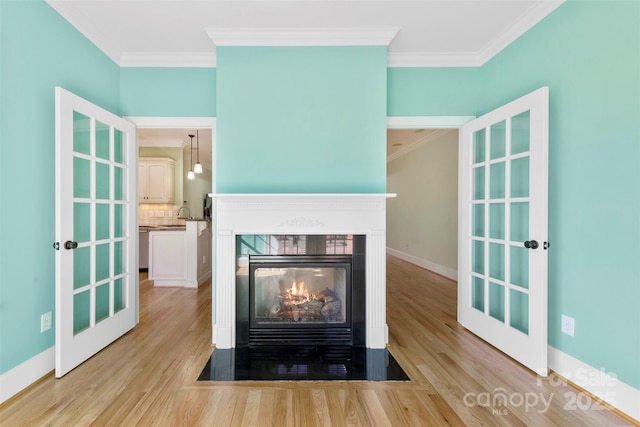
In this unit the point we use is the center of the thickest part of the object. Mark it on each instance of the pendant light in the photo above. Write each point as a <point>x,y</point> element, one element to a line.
<point>197,168</point>
<point>190,174</point>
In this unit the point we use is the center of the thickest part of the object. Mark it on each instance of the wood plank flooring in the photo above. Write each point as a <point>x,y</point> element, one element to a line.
<point>148,377</point>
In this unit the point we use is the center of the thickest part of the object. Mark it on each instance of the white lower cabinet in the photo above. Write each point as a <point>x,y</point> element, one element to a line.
<point>181,257</point>
<point>167,258</point>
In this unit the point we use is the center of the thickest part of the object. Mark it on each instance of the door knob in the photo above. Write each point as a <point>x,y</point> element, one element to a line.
<point>531,244</point>
<point>70,245</point>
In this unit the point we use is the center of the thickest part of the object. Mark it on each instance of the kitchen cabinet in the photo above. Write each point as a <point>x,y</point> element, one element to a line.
<point>156,180</point>
<point>180,257</point>
<point>167,257</point>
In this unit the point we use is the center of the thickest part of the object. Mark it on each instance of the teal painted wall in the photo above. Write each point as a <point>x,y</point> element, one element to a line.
<point>588,53</point>
<point>39,50</point>
<point>433,91</point>
<point>295,119</point>
<point>168,92</point>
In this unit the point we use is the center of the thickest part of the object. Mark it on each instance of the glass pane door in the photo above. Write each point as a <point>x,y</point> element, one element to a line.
<point>96,229</point>
<point>502,262</point>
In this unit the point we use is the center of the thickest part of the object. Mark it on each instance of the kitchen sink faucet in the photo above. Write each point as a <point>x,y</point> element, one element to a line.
<point>184,217</point>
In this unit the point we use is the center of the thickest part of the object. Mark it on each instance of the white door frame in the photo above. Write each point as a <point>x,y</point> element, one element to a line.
<point>153,122</point>
<point>443,124</point>
<point>427,122</point>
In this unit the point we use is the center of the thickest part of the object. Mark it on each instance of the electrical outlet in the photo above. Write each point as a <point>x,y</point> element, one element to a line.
<point>170,213</point>
<point>45,322</point>
<point>568,325</point>
<point>204,259</point>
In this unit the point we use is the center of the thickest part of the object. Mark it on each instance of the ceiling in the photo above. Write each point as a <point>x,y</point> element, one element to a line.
<point>429,32</point>
<point>403,141</point>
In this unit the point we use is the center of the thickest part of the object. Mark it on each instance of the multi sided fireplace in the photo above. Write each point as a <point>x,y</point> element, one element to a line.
<point>301,290</point>
<point>300,299</point>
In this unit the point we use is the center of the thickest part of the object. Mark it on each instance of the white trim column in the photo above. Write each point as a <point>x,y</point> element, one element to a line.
<point>224,292</point>
<point>376,296</point>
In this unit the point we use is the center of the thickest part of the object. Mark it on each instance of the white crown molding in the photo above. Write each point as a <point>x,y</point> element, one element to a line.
<point>419,59</point>
<point>477,59</point>
<point>419,143</point>
<point>178,60</point>
<point>538,11</point>
<point>172,122</point>
<point>68,11</point>
<point>305,37</point>
<point>302,36</point>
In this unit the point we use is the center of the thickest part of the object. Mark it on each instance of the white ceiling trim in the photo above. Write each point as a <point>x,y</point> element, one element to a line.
<point>534,15</point>
<point>153,122</point>
<point>302,36</point>
<point>421,142</point>
<point>183,60</point>
<point>427,122</point>
<point>417,59</point>
<point>78,20</point>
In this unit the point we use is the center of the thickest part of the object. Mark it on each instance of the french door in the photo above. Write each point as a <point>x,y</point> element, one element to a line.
<point>96,229</point>
<point>502,254</point>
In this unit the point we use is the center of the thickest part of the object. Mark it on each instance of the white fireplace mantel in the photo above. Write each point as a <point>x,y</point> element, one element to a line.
<point>343,213</point>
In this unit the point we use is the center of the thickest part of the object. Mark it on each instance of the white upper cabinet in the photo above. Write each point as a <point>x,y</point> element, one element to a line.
<point>155,180</point>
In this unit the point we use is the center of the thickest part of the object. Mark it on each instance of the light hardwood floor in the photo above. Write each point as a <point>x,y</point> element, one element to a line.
<point>148,377</point>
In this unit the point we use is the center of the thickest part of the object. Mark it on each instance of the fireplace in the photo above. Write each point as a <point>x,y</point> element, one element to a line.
<point>300,300</point>
<point>359,215</point>
<point>301,290</point>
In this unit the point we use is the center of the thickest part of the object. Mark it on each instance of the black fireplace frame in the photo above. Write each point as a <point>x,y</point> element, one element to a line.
<point>301,333</point>
<point>358,292</point>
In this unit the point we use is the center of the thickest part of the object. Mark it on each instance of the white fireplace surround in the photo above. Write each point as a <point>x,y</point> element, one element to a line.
<point>344,213</point>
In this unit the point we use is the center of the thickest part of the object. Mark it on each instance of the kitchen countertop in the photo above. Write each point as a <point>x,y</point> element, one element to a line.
<point>170,227</point>
<point>177,227</point>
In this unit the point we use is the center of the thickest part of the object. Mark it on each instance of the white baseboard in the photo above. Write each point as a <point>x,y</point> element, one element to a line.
<point>22,376</point>
<point>447,272</point>
<point>197,283</point>
<point>601,384</point>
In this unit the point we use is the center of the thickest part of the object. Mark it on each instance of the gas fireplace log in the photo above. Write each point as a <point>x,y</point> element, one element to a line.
<point>332,310</point>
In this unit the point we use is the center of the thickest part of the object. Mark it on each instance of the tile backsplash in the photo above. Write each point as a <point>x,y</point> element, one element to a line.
<point>158,214</point>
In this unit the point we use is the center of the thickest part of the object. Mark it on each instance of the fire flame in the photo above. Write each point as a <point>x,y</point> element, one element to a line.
<point>299,290</point>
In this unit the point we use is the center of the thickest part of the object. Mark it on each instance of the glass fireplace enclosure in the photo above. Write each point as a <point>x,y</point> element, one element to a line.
<point>300,299</point>
<point>332,268</point>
